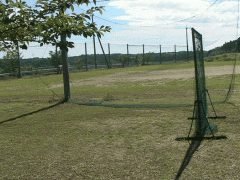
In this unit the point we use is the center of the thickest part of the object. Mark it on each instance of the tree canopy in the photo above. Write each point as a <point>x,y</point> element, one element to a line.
<point>55,22</point>
<point>46,22</point>
<point>15,24</point>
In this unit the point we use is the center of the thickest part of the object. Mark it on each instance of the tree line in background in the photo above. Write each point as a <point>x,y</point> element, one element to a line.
<point>9,64</point>
<point>228,47</point>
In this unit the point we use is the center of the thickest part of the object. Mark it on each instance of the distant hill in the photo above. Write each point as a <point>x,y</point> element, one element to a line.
<point>229,47</point>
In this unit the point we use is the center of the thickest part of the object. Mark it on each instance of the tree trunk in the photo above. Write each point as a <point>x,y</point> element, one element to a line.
<point>19,75</point>
<point>66,81</point>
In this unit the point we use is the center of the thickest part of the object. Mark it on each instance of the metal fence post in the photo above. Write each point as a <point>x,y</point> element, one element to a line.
<point>94,47</point>
<point>109,54</point>
<point>160,60</point>
<point>19,75</point>
<point>175,52</point>
<point>128,53</point>
<point>143,55</point>
<point>86,56</point>
<point>187,44</point>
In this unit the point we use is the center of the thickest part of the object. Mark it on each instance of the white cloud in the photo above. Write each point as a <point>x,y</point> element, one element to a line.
<point>163,11</point>
<point>216,22</point>
<point>217,25</point>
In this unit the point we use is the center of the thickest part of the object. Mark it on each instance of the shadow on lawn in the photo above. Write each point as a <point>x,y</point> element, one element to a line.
<point>27,114</point>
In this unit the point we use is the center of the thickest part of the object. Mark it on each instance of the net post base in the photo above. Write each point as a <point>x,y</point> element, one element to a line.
<point>200,138</point>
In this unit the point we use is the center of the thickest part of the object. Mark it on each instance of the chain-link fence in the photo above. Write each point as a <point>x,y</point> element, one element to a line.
<point>84,56</point>
<point>45,60</point>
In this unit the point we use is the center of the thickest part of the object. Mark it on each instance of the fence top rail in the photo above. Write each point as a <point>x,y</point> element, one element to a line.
<point>163,46</point>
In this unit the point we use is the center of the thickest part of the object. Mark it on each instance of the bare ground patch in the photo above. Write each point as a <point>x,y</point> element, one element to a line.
<point>144,76</point>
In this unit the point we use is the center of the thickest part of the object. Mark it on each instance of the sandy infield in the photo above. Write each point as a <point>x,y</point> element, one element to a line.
<point>168,75</point>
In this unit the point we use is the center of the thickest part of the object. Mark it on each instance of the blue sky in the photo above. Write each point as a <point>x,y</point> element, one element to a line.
<point>155,22</point>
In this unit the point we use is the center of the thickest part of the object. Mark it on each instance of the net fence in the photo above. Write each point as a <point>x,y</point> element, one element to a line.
<point>35,84</point>
<point>144,87</point>
<point>147,86</point>
<point>150,87</point>
<point>201,104</point>
<point>86,56</point>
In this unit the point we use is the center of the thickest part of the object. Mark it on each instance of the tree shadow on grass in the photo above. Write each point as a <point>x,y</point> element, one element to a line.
<point>34,112</point>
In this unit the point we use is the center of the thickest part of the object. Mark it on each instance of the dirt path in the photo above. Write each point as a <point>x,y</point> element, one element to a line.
<point>154,75</point>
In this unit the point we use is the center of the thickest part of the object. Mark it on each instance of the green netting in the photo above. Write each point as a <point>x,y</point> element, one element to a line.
<point>93,96</point>
<point>130,105</point>
<point>182,98</point>
<point>203,126</point>
<point>201,106</point>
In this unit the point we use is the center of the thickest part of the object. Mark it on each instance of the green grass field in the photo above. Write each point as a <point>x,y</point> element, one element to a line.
<point>70,141</point>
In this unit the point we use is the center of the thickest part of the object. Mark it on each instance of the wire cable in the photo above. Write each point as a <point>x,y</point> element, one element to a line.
<point>113,22</point>
<point>231,87</point>
<point>47,85</point>
<point>194,15</point>
<point>162,24</point>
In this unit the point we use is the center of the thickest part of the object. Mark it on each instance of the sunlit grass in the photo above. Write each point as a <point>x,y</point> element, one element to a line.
<point>70,141</point>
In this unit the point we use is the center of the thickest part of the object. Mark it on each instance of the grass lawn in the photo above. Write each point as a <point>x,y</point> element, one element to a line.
<point>70,141</point>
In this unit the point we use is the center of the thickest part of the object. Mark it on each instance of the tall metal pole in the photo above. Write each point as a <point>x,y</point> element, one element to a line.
<point>108,65</point>
<point>160,54</point>
<point>143,55</point>
<point>94,47</point>
<point>58,61</point>
<point>19,63</point>
<point>86,56</point>
<point>109,54</point>
<point>187,43</point>
<point>128,53</point>
<point>175,51</point>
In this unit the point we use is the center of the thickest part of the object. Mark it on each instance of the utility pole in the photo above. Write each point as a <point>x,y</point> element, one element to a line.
<point>160,54</point>
<point>58,61</point>
<point>128,54</point>
<point>86,57</point>
<point>19,63</point>
<point>143,56</point>
<point>108,65</point>
<point>175,53</point>
<point>94,47</point>
<point>187,43</point>
<point>109,53</point>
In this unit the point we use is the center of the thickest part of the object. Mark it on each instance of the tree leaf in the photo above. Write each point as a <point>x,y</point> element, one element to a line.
<point>72,8</point>
<point>47,21</point>
<point>24,46</point>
